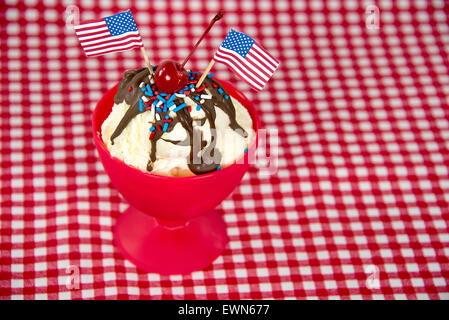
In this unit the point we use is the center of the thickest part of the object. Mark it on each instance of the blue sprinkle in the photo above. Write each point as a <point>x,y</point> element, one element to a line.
<point>169,104</point>
<point>246,150</point>
<point>159,109</point>
<point>179,107</point>
<point>140,105</point>
<point>198,107</point>
<point>191,86</point>
<point>167,117</point>
<point>171,99</point>
<point>155,102</point>
<point>165,107</point>
<point>220,90</point>
<point>160,98</point>
<point>210,75</point>
<point>226,96</point>
<point>218,168</point>
<point>143,89</point>
<point>197,98</point>
<point>163,94</point>
<point>165,127</point>
<point>152,129</point>
<point>150,92</point>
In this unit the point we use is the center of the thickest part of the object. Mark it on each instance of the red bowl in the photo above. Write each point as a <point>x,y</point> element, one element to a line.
<point>171,219</point>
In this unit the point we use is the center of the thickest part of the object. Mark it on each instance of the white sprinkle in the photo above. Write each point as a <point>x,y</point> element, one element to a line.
<point>206,96</point>
<point>172,107</point>
<point>142,84</point>
<point>145,99</point>
<point>159,103</point>
<point>158,117</point>
<point>202,101</point>
<point>193,89</point>
<point>153,109</point>
<point>180,95</point>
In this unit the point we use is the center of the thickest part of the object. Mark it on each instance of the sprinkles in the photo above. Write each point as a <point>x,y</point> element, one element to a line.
<point>179,107</point>
<point>141,105</point>
<point>162,105</point>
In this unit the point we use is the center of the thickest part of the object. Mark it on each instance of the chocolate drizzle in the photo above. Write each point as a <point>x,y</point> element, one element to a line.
<point>131,79</point>
<point>209,156</point>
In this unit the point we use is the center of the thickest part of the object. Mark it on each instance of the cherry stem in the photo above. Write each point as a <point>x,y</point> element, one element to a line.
<point>217,17</point>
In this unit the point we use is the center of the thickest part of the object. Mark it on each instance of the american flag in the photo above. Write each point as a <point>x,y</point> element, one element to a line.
<point>111,34</point>
<point>247,58</point>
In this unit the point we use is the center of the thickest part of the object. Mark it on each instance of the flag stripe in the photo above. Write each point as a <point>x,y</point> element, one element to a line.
<point>231,63</point>
<point>252,53</point>
<point>256,61</point>
<point>268,56</point>
<point>245,65</point>
<point>78,31</point>
<point>115,49</point>
<point>95,36</point>
<point>92,31</point>
<point>112,44</point>
<point>106,39</point>
<point>89,24</point>
<point>238,65</point>
<point>248,65</point>
<point>268,63</point>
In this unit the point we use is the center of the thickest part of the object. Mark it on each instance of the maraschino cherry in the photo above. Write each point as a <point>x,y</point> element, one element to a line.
<point>171,76</point>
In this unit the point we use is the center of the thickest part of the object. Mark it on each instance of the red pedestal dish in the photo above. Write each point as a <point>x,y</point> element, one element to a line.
<point>171,226</point>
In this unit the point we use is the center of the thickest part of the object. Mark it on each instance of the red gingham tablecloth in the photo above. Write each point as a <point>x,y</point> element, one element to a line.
<point>357,208</point>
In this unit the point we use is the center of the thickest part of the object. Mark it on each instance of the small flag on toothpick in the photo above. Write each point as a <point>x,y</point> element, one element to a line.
<point>111,34</point>
<point>247,58</point>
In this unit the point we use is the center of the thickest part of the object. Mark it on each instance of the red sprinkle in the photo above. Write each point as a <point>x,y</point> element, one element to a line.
<point>147,103</point>
<point>148,108</point>
<point>152,135</point>
<point>167,120</point>
<point>158,127</point>
<point>130,89</point>
<point>206,85</point>
<point>200,89</point>
<point>189,108</point>
<point>214,85</point>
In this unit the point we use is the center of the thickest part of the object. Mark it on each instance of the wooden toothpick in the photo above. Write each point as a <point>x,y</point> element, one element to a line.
<point>147,61</point>
<point>205,73</point>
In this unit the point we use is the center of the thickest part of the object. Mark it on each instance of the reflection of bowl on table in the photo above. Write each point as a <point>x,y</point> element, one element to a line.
<point>171,226</point>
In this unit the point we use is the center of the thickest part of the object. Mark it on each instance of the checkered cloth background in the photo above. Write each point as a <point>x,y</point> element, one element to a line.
<point>358,207</point>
